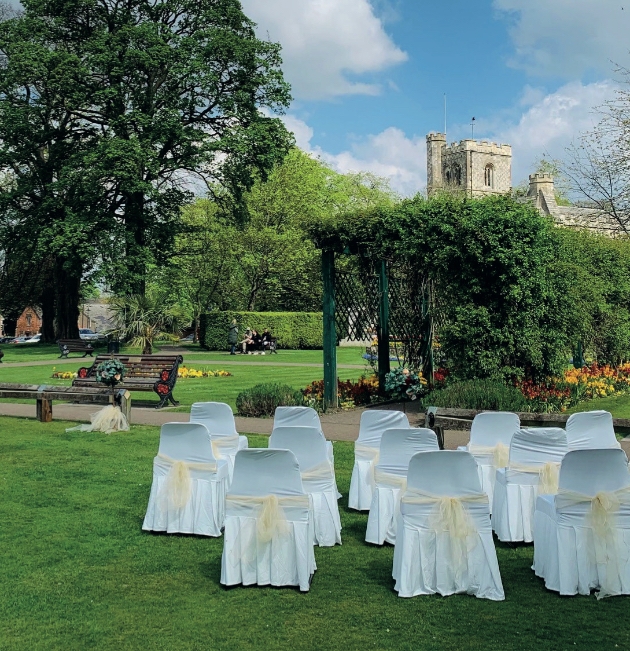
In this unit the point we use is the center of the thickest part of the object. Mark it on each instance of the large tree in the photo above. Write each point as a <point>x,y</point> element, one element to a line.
<point>111,111</point>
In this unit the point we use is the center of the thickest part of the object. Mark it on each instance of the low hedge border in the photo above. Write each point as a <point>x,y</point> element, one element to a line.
<point>295,330</point>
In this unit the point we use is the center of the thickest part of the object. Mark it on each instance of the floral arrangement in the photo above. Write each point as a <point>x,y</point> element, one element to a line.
<point>63,375</point>
<point>186,372</point>
<point>405,384</point>
<point>350,394</point>
<point>575,386</point>
<point>110,372</point>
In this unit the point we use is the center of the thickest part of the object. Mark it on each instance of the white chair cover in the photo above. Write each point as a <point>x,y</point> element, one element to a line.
<point>318,478</point>
<point>582,534</point>
<point>188,497</point>
<point>390,477</point>
<point>300,417</point>
<point>490,436</point>
<point>437,553</point>
<point>366,449</point>
<point>535,457</point>
<point>591,430</point>
<point>260,548</point>
<point>218,417</point>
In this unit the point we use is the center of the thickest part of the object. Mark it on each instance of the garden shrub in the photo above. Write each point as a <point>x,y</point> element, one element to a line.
<point>297,330</point>
<point>492,395</point>
<point>262,399</point>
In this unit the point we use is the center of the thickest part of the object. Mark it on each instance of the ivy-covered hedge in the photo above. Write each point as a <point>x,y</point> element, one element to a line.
<point>297,330</point>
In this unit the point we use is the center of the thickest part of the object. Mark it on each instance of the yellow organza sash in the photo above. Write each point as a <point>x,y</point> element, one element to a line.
<point>500,453</point>
<point>391,480</point>
<point>222,443</point>
<point>109,419</point>
<point>548,475</point>
<point>602,520</point>
<point>450,516</point>
<point>176,490</point>
<point>322,471</point>
<point>271,520</point>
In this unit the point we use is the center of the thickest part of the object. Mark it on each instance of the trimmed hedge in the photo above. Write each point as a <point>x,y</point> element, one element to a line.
<point>299,330</point>
<point>478,394</point>
<point>263,399</point>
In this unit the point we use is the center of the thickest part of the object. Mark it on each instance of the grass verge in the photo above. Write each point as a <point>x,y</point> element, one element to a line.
<point>77,572</point>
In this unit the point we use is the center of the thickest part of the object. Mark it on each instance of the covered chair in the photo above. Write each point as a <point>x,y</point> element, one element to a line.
<point>390,476</point>
<point>366,450</point>
<point>444,542</point>
<point>318,478</point>
<point>300,417</point>
<point>490,436</point>
<point>189,483</point>
<point>591,430</point>
<point>219,419</point>
<point>582,534</point>
<point>268,538</point>
<point>535,457</point>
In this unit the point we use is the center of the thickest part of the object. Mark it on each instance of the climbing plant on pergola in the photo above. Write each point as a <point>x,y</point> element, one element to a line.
<point>482,273</point>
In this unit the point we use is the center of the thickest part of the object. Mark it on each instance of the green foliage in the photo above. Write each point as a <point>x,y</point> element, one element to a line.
<point>291,329</point>
<point>262,399</point>
<point>478,394</point>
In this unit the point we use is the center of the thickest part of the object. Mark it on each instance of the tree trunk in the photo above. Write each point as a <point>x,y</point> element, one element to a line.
<point>196,327</point>
<point>136,240</point>
<point>67,299</point>
<point>47,302</point>
<point>10,325</point>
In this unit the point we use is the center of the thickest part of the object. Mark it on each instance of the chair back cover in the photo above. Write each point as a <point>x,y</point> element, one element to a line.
<point>375,421</point>
<point>589,430</point>
<point>186,442</point>
<point>300,416</point>
<point>591,471</point>
<point>492,427</point>
<point>216,416</point>
<point>538,445</point>
<point>444,472</point>
<point>261,471</point>
<point>307,444</point>
<point>400,444</point>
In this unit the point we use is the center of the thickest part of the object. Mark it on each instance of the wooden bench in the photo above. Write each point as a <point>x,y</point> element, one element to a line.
<point>156,373</point>
<point>44,395</point>
<point>75,346</point>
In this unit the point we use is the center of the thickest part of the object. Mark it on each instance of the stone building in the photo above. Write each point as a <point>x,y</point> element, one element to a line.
<point>477,168</point>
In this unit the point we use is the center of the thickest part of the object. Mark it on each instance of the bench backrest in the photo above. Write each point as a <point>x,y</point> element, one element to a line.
<point>143,366</point>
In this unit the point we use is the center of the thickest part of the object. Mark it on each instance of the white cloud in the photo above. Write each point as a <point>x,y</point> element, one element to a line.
<point>390,154</point>
<point>567,37</point>
<point>549,125</point>
<point>325,43</point>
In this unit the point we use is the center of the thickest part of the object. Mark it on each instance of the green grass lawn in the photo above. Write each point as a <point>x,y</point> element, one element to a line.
<point>77,572</point>
<point>187,391</point>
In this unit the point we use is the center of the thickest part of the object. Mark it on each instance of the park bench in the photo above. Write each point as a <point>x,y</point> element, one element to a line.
<point>75,346</point>
<point>156,373</point>
<point>44,395</point>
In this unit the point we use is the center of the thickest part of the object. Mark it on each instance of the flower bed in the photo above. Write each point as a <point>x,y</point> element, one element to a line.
<point>576,385</point>
<point>63,375</point>
<point>185,372</point>
<point>350,394</point>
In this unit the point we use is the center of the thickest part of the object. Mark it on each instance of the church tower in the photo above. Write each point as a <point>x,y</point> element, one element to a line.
<point>474,167</point>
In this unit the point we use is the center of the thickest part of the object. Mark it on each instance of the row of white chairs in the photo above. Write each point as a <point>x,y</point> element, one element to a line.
<point>530,472</point>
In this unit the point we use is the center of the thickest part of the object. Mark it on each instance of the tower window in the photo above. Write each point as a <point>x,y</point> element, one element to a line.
<point>448,176</point>
<point>488,177</point>
<point>457,175</point>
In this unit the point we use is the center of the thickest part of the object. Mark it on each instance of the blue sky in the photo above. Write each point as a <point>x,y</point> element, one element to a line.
<point>369,76</point>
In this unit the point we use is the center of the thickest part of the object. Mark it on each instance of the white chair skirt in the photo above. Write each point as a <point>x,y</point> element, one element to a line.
<point>381,526</point>
<point>243,443</point>
<point>204,512</point>
<point>563,554</point>
<point>285,560</point>
<point>326,520</point>
<point>361,485</point>
<point>422,561</point>
<point>514,503</point>
<point>487,475</point>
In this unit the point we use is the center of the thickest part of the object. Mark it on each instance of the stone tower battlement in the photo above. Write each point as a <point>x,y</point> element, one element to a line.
<point>477,168</point>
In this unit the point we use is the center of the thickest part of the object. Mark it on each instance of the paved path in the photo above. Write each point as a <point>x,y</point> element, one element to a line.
<point>227,362</point>
<point>339,426</point>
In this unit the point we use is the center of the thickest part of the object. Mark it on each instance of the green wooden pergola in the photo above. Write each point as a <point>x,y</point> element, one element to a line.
<point>412,323</point>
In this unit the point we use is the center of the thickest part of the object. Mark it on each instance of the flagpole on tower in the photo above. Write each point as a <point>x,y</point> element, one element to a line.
<point>445,115</point>
<point>472,128</point>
